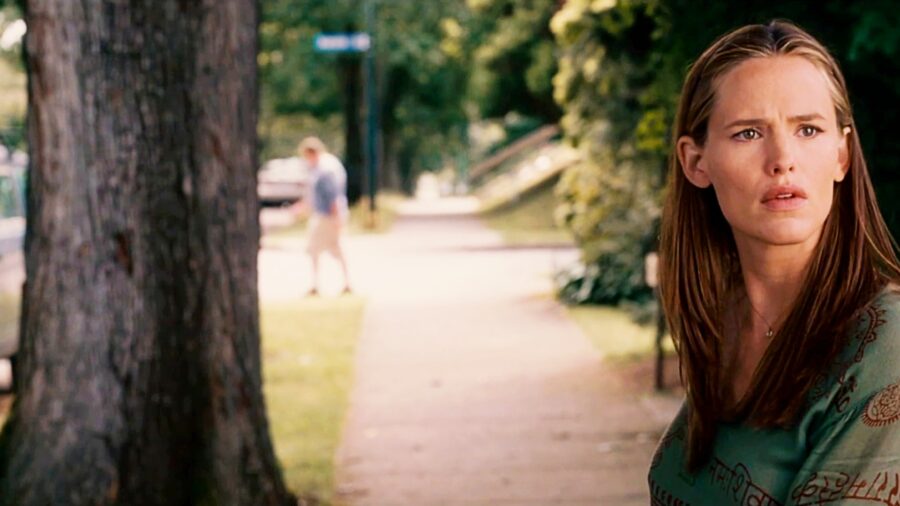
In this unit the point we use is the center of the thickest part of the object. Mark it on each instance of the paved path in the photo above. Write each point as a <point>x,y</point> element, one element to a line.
<point>472,386</point>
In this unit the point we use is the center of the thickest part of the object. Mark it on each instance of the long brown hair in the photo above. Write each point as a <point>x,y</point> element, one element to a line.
<point>854,259</point>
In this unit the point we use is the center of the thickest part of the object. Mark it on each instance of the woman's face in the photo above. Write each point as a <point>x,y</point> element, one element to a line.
<point>773,151</point>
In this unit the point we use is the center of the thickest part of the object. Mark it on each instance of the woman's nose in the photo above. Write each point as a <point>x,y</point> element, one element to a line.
<point>781,157</point>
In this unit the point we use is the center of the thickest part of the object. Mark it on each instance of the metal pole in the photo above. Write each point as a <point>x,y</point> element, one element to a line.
<point>660,382</point>
<point>371,111</point>
<point>651,268</point>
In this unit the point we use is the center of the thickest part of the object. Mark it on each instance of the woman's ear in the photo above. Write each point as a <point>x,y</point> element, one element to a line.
<point>690,154</point>
<point>843,155</point>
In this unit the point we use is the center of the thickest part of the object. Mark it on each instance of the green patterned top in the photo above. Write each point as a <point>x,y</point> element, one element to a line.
<point>845,450</point>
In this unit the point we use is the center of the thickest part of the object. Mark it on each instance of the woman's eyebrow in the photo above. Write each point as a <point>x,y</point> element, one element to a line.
<point>800,118</point>
<point>746,122</point>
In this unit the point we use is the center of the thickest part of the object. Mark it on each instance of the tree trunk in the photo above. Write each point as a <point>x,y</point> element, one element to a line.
<point>391,84</point>
<point>351,78</point>
<point>388,173</point>
<point>140,364</point>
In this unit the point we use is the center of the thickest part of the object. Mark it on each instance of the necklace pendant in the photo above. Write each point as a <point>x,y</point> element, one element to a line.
<point>770,333</point>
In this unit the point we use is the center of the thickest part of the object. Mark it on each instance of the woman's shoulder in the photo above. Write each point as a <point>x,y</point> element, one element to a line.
<point>875,336</point>
<point>870,361</point>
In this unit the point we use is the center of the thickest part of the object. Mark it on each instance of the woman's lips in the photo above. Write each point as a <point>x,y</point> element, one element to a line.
<point>784,198</point>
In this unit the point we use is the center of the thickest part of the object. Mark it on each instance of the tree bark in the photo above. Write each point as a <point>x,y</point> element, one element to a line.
<point>140,364</point>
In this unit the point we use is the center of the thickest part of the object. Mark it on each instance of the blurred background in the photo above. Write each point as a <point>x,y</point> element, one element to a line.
<point>587,87</point>
<point>545,121</point>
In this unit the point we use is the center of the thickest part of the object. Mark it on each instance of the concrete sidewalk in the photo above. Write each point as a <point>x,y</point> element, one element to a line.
<point>472,385</point>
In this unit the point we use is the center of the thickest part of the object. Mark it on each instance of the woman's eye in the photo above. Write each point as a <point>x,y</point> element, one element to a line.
<point>750,134</point>
<point>809,131</point>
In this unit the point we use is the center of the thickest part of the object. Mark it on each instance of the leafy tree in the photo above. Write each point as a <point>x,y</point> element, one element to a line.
<point>514,63</point>
<point>423,57</point>
<point>139,379</point>
<point>613,111</point>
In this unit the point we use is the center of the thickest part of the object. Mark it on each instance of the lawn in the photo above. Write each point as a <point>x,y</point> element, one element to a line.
<point>615,334</point>
<point>529,222</point>
<point>308,352</point>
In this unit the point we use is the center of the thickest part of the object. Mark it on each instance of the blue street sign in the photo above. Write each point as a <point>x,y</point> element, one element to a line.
<point>342,42</point>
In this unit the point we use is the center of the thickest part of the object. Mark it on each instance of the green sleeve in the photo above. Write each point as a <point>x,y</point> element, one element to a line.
<point>855,458</point>
<point>853,436</point>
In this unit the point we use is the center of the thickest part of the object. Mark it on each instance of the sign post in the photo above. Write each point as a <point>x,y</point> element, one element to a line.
<point>361,42</point>
<point>371,117</point>
<point>356,42</point>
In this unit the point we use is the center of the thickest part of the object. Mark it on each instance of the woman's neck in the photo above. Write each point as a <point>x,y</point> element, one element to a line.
<point>773,277</point>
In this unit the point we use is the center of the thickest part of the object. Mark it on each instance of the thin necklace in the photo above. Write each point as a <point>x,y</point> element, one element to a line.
<point>771,331</point>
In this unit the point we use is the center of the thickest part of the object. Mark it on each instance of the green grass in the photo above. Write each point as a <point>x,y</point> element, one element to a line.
<point>530,221</point>
<point>614,334</point>
<point>308,349</point>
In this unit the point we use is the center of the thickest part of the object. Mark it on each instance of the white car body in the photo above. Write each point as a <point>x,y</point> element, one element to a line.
<point>282,181</point>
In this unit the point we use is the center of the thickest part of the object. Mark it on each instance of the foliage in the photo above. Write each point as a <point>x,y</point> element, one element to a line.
<point>514,64</point>
<point>424,53</point>
<point>614,113</point>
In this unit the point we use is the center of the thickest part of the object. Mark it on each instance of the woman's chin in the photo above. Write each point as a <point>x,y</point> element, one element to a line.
<point>791,236</point>
<point>789,232</point>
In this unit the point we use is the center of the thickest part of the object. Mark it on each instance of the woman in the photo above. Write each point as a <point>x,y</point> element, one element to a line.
<point>780,286</point>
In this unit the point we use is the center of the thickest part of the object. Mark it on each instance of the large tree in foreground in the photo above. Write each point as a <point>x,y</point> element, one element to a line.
<point>140,368</point>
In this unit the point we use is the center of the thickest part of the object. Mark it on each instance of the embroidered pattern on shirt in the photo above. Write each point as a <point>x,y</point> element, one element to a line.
<point>737,484</point>
<point>872,318</point>
<point>883,408</point>
<point>662,497</point>
<point>829,487</point>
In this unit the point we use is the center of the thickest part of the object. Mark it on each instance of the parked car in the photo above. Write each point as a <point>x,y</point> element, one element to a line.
<point>282,181</point>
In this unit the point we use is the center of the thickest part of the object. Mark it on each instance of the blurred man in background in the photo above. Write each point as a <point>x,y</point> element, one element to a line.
<point>326,204</point>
